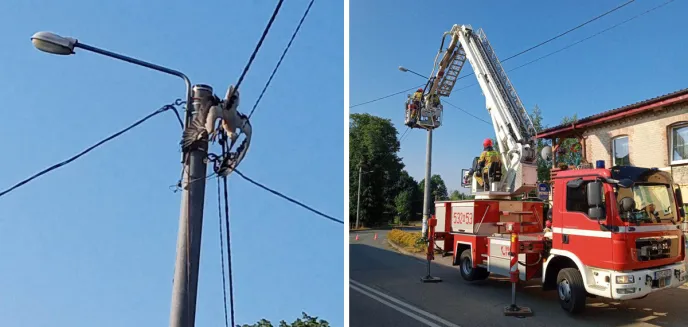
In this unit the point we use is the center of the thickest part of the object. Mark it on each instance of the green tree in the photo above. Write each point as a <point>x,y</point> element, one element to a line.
<point>543,167</point>
<point>373,145</point>
<point>404,206</point>
<point>569,152</point>
<point>438,190</point>
<point>304,321</point>
<point>455,195</point>
<point>408,184</point>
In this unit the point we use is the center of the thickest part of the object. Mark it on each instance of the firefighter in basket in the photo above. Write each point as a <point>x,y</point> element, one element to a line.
<point>487,157</point>
<point>433,105</point>
<point>415,106</point>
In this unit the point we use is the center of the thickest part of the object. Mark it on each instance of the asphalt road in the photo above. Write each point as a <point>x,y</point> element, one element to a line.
<point>385,290</point>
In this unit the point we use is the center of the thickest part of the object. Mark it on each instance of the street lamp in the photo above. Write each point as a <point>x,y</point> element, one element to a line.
<point>185,282</point>
<point>60,45</point>
<point>406,70</point>
<point>428,170</point>
<point>53,43</point>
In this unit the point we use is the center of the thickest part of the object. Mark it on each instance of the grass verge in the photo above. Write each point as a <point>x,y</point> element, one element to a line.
<point>409,241</point>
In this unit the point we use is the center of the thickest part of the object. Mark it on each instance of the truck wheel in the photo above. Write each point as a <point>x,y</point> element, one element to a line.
<point>571,290</point>
<point>466,266</point>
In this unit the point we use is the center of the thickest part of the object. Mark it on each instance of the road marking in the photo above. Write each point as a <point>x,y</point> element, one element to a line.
<point>410,314</point>
<point>399,305</point>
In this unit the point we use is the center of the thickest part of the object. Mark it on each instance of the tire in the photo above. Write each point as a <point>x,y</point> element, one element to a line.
<point>571,290</point>
<point>466,267</point>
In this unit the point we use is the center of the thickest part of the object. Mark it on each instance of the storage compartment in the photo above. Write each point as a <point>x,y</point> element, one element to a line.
<point>499,261</point>
<point>479,216</point>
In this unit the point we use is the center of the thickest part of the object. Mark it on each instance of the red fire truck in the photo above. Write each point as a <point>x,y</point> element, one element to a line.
<point>610,232</point>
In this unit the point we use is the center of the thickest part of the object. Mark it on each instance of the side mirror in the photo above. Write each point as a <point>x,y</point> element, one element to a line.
<point>595,199</point>
<point>594,191</point>
<point>679,200</point>
<point>465,179</point>
<point>596,213</point>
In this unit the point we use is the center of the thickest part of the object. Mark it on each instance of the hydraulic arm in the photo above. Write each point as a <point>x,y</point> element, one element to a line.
<point>512,124</point>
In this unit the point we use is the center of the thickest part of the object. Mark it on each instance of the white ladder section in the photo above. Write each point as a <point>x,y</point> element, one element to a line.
<point>452,73</point>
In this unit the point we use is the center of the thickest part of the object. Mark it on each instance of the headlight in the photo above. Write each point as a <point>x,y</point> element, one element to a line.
<point>625,279</point>
<point>625,290</point>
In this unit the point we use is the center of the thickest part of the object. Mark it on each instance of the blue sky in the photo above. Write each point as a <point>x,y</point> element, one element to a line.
<point>641,59</point>
<point>93,243</point>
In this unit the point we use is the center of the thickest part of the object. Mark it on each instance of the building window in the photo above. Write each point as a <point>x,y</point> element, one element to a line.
<point>620,155</point>
<point>679,146</point>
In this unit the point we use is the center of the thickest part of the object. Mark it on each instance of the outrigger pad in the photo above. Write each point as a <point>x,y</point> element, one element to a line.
<point>430,279</point>
<point>518,312</point>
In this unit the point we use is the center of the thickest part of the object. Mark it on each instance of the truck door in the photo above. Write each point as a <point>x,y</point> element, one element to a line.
<point>584,236</point>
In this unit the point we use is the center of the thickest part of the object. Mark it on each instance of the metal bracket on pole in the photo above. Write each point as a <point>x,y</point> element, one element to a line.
<point>431,251</point>
<point>513,310</point>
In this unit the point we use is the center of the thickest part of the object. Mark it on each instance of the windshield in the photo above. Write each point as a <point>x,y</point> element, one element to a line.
<point>653,203</point>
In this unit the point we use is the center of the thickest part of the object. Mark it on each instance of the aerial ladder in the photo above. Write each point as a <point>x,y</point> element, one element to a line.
<point>567,249</point>
<point>516,172</point>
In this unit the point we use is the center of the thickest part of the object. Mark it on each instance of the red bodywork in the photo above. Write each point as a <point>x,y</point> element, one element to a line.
<point>617,252</point>
<point>574,232</point>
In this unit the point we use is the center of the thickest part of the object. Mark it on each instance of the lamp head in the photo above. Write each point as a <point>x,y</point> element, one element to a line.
<point>53,43</point>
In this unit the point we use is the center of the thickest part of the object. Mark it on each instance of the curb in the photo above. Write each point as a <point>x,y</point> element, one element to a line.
<point>400,249</point>
<point>421,255</point>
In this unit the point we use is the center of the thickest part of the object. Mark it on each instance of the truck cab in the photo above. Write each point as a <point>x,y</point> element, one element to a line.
<point>620,227</point>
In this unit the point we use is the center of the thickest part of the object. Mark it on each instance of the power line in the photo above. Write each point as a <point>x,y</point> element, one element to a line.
<point>89,149</point>
<point>571,30</point>
<point>554,38</point>
<point>513,56</point>
<point>229,251</point>
<point>260,43</point>
<point>284,53</point>
<point>222,255</point>
<point>404,135</point>
<point>580,41</point>
<point>287,198</point>
<point>229,240</point>
<point>178,187</point>
<point>594,35</point>
<point>466,112</point>
<point>387,96</point>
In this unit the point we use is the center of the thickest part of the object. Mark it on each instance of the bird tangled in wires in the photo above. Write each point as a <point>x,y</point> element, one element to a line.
<point>232,125</point>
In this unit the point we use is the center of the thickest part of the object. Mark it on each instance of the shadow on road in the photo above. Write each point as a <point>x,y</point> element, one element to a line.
<point>481,303</point>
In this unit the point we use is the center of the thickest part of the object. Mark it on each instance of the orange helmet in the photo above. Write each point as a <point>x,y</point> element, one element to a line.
<point>487,142</point>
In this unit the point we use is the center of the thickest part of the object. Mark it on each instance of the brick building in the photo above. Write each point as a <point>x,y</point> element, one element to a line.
<point>650,133</point>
